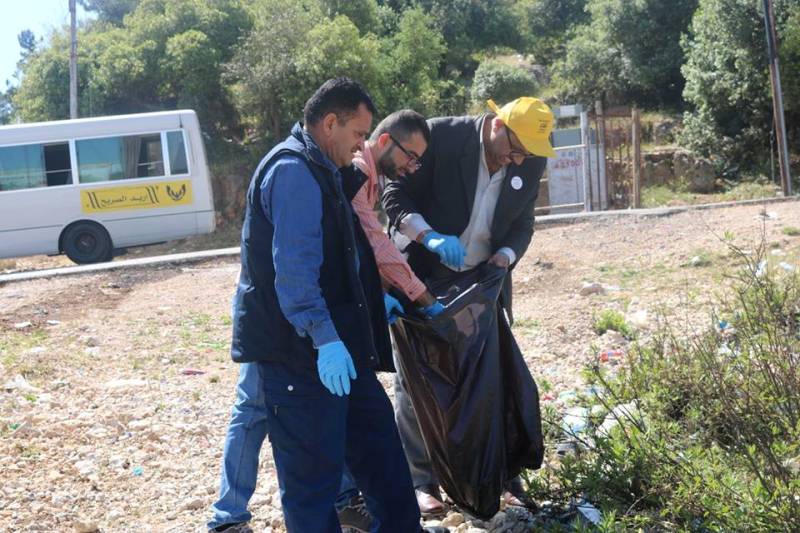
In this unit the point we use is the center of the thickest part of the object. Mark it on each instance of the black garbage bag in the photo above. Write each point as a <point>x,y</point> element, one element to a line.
<point>476,402</point>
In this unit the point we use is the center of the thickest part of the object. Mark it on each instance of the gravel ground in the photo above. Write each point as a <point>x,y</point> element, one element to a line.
<point>117,386</point>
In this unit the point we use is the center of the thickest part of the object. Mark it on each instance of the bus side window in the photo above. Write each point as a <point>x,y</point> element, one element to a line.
<point>22,167</point>
<point>177,153</point>
<point>57,164</point>
<point>119,158</point>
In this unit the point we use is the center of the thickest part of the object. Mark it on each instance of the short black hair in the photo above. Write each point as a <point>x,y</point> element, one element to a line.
<point>402,125</point>
<point>341,96</point>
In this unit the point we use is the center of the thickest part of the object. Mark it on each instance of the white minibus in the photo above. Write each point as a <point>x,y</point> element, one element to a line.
<point>89,186</point>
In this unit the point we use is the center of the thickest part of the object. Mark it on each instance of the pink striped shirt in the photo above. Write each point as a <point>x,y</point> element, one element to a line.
<point>392,265</point>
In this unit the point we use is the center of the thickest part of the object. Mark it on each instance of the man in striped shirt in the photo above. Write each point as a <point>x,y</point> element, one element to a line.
<point>394,149</point>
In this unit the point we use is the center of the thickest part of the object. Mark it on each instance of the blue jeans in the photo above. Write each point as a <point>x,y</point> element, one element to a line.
<point>246,433</point>
<point>314,433</point>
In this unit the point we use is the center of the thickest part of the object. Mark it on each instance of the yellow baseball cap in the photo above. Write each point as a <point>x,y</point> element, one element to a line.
<point>531,121</point>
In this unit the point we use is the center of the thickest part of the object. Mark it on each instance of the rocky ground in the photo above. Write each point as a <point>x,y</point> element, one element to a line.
<point>116,387</point>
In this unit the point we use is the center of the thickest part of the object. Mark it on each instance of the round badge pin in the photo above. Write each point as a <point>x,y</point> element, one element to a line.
<point>516,183</point>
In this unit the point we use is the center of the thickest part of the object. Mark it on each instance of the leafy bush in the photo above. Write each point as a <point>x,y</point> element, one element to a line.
<point>702,430</point>
<point>609,319</point>
<point>500,82</point>
<point>791,231</point>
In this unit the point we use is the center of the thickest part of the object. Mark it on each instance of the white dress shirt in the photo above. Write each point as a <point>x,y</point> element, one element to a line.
<point>476,238</point>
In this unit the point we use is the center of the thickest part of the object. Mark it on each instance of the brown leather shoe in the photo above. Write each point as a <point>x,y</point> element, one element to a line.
<point>430,501</point>
<point>516,496</point>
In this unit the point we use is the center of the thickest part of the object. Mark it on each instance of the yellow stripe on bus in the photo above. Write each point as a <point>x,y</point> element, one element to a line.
<point>146,196</point>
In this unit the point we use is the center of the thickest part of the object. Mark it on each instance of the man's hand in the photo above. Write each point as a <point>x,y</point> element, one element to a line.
<point>500,260</point>
<point>435,309</point>
<point>447,246</point>
<point>392,307</point>
<point>335,368</point>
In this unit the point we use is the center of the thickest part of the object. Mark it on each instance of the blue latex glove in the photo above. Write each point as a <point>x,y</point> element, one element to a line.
<point>435,309</point>
<point>392,307</point>
<point>448,247</point>
<point>335,367</point>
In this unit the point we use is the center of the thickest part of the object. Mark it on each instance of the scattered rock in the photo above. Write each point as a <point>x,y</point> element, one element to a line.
<point>638,319</point>
<point>91,341</point>
<point>85,527</point>
<point>125,383</point>
<point>592,288</point>
<point>192,505</point>
<point>20,384</point>
<point>453,520</point>
<point>23,325</point>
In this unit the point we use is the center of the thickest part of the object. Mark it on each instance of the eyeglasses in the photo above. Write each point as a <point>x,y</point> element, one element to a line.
<point>414,163</point>
<point>517,156</point>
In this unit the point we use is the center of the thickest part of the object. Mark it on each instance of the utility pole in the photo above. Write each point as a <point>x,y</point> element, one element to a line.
<point>73,62</point>
<point>777,98</point>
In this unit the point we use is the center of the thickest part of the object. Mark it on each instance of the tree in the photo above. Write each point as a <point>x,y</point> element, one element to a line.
<point>410,65</point>
<point>27,42</point>
<point>362,13</point>
<point>167,53</point>
<point>472,28</point>
<point>630,50</point>
<point>547,25</point>
<point>500,82</point>
<point>335,48</point>
<point>6,109</point>
<point>112,11</point>
<point>727,79</point>
<point>263,68</point>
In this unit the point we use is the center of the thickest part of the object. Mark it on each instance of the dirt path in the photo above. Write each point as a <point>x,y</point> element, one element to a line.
<point>119,414</point>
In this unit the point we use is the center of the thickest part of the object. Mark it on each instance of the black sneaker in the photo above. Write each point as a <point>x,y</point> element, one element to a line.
<point>238,527</point>
<point>355,517</point>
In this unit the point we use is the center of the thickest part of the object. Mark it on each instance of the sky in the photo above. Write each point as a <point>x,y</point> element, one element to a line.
<point>40,16</point>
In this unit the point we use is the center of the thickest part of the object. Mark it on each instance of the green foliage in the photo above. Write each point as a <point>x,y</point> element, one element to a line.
<point>500,82</point>
<point>790,63</point>
<point>547,25</point>
<point>629,51</point>
<point>263,69</point>
<point>727,84</point>
<point>362,13</point>
<point>700,431</point>
<point>409,66</point>
<point>112,11</point>
<point>166,54</point>
<point>609,319</point>
<point>791,231</point>
<point>6,109</point>
<point>472,27</point>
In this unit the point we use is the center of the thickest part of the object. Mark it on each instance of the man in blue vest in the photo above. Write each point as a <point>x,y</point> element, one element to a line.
<point>309,310</point>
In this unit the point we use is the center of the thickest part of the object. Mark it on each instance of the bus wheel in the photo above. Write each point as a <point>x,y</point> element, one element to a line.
<point>87,242</point>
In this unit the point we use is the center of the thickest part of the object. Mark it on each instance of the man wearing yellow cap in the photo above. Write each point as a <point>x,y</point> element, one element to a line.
<point>471,201</point>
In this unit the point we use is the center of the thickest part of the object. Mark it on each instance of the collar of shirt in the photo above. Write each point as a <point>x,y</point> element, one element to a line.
<point>314,151</point>
<point>482,161</point>
<point>365,161</point>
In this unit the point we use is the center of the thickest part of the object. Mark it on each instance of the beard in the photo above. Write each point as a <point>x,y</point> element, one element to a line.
<point>386,166</point>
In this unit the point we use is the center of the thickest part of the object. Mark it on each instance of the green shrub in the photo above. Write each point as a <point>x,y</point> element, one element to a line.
<point>791,231</point>
<point>709,439</point>
<point>500,82</point>
<point>614,320</point>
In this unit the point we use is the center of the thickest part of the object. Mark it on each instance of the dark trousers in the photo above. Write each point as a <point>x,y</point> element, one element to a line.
<point>417,455</point>
<point>314,433</point>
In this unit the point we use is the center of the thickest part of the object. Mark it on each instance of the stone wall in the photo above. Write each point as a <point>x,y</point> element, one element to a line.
<point>664,167</point>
